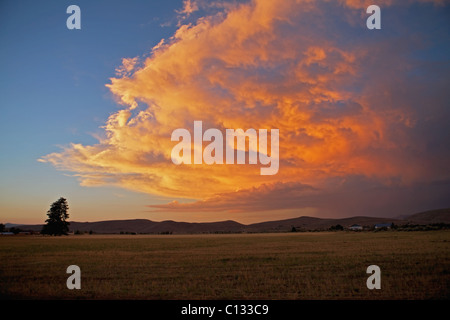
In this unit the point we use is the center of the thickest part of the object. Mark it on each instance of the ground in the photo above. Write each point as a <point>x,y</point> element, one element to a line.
<point>311,265</point>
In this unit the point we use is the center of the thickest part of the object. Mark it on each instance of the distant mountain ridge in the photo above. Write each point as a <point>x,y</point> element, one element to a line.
<point>301,223</point>
<point>431,216</point>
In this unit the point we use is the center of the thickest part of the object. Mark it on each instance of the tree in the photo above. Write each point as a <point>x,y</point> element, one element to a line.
<point>57,216</point>
<point>15,230</point>
<point>337,227</point>
<point>2,227</point>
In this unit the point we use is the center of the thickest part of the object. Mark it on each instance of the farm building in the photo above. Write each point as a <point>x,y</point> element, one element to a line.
<point>355,227</point>
<point>383,225</point>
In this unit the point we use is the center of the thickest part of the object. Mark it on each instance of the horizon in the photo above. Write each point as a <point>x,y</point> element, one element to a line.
<point>360,115</point>
<point>400,217</point>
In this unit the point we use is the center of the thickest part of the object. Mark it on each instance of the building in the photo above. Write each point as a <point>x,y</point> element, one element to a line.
<point>383,225</point>
<point>356,227</point>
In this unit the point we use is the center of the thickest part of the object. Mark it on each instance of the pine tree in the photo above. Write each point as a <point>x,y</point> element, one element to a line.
<point>57,216</point>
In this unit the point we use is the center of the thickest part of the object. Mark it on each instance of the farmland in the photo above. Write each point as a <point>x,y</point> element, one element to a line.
<point>309,265</point>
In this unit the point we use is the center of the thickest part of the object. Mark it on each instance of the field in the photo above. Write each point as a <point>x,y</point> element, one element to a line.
<point>315,265</point>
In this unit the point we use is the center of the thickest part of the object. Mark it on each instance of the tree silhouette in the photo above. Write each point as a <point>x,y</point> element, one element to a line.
<point>57,216</point>
<point>337,227</point>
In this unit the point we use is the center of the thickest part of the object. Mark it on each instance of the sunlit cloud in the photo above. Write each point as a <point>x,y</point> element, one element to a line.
<point>189,6</point>
<point>346,104</point>
<point>128,65</point>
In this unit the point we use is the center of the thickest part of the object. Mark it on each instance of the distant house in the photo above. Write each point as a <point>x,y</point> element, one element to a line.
<point>355,227</point>
<point>6,233</point>
<point>383,225</point>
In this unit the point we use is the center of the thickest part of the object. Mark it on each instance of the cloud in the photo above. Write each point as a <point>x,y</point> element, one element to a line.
<point>348,103</point>
<point>189,6</point>
<point>274,196</point>
<point>338,197</point>
<point>128,65</point>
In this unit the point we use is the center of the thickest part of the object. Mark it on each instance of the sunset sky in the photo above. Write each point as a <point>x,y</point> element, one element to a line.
<point>363,115</point>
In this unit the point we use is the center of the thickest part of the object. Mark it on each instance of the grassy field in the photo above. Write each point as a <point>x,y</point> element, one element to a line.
<point>325,265</point>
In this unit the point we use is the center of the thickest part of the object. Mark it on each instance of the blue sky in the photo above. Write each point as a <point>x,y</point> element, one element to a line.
<point>52,92</point>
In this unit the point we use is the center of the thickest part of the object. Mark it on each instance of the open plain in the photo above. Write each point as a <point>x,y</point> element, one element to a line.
<point>303,265</point>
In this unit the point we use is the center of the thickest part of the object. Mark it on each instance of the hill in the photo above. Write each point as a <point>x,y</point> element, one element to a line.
<point>301,223</point>
<point>312,223</point>
<point>431,216</point>
<point>148,226</point>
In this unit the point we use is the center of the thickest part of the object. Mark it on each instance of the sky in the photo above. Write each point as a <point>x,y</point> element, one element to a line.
<point>88,114</point>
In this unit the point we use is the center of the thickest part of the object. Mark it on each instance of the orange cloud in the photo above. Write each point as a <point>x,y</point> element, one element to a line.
<point>128,64</point>
<point>189,6</point>
<point>263,65</point>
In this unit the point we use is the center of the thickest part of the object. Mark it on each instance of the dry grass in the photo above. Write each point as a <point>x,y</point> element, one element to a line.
<point>414,265</point>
